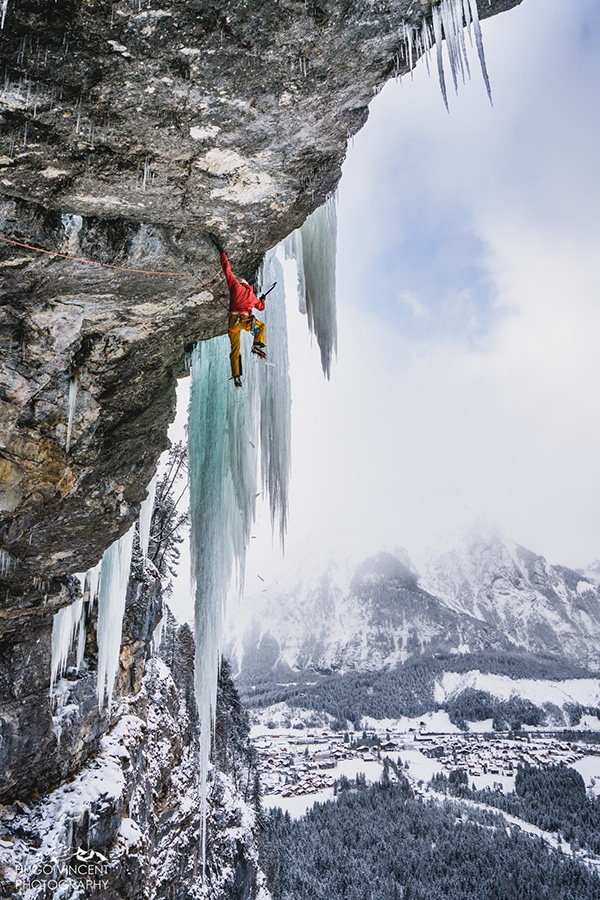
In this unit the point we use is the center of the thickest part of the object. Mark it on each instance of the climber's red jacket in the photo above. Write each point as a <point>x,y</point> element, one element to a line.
<point>242,298</point>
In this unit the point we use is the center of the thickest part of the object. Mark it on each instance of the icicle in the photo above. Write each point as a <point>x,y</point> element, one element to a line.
<point>73,385</point>
<point>449,19</point>
<point>4,11</point>
<point>146,516</point>
<point>479,43</point>
<point>319,245</point>
<point>64,625</point>
<point>314,248</point>
<point>80,627</point>
<point>114,579</point>
<point>92,577</point>
<point>437,32</point>
<point>292,246</point>
<point>6,563</point>
<point>275,387</point>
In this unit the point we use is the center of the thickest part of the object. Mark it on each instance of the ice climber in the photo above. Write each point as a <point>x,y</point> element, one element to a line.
<point>242,300</point>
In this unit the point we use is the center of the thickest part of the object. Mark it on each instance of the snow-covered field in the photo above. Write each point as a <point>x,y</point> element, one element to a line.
<point>585,691</point>
<point>437,722</point>
<point>589,769</point>
<point>297,806</point>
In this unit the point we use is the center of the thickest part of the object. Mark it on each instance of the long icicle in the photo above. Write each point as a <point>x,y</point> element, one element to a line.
<point>73,385</point>
<point>275,398</point>
<point>314,247</point>
<point>437,32</point>
<point>114,578</point>
<point>480,50</point>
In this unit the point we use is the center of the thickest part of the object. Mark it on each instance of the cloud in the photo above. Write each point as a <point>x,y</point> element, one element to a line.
<point>468,303</point>
<point>413,303</point>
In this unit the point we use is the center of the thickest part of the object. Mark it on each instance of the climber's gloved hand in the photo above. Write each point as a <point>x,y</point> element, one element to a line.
<point>215,240</point>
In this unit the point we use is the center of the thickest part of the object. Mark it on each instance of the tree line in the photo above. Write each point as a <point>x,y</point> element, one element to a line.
<point>553,798</point>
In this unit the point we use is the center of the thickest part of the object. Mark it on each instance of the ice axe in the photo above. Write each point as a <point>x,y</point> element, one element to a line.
<point>262,296</point>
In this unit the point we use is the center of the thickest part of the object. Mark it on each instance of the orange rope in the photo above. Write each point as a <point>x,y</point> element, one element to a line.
<point>93,262</point>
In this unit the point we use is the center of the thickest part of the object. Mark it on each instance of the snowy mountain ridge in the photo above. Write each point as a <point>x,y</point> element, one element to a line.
<point>482,594</point>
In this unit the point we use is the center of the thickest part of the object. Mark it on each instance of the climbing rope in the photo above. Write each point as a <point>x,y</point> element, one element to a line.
<point>103,265</point>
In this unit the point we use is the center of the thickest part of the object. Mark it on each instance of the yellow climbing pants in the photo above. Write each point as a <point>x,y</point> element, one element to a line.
<point>239,322</point>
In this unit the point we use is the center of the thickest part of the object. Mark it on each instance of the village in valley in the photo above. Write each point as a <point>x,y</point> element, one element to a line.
<point>301,765</point>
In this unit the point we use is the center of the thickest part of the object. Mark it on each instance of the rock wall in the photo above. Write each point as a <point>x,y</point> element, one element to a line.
<point>44,741</point>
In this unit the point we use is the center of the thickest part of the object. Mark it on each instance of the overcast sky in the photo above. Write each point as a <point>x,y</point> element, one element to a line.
<point>468,308</point>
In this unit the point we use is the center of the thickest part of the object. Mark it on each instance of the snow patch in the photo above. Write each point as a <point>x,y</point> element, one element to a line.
<point>249,187</point>
<point>584,587</point>
<point>130,832</point>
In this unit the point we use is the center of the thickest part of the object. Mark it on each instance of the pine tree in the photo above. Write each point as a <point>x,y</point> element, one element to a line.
<point>167,519</point>
<point>256,802</point>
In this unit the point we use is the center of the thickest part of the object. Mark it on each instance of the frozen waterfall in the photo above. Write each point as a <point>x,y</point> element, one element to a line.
<point>227,430</point>
<point>314,246</point>
<point>108,581</point>
<point>449,20</point>
<point>222,470</point>
<point>114,578</point>
<point>69,623</point>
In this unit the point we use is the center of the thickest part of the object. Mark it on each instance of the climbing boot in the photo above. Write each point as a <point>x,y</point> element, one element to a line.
<point>259,349</point>
<point>237,381</point>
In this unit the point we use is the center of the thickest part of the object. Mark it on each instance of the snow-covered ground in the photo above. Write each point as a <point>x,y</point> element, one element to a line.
<point>298,805</point>
<point>585,691</point>
<point>433,722</point>
<point>417,766</point>
<point>589,769</point>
